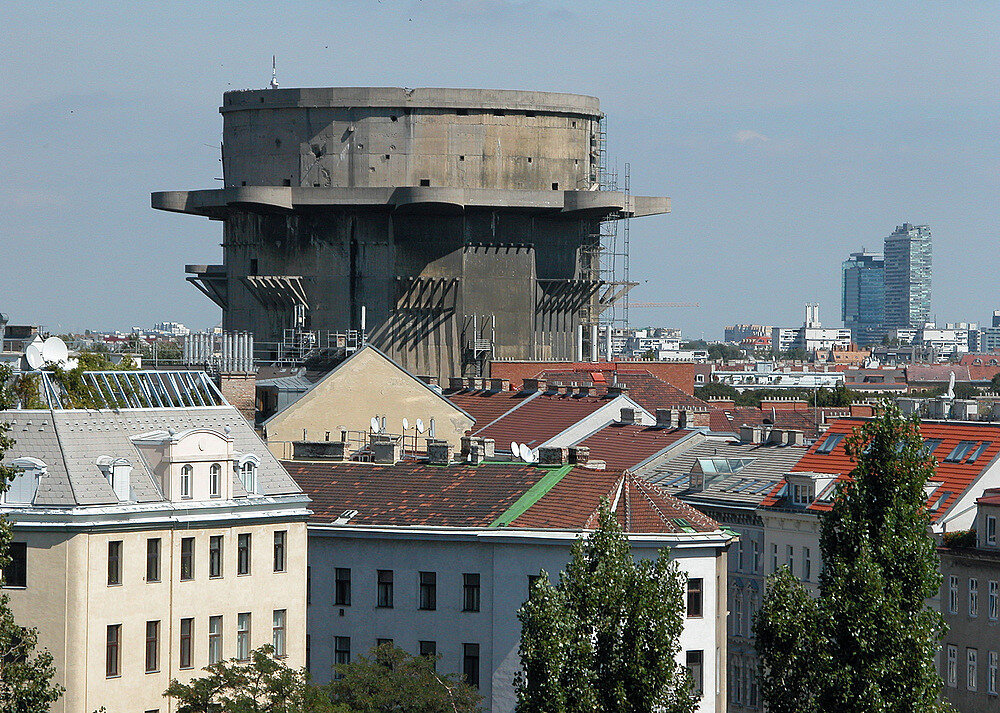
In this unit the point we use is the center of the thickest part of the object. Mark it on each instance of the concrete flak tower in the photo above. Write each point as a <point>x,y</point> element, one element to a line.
<point>465,224</point>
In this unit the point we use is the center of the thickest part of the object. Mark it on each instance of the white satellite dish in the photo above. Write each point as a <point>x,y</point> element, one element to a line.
<point>33,355</point>
<point>420,426</point>
<point>526,454</point>
<point>515,450</point>
<point>374,423</point>
<point>54,350</point>
<point>406,423</point>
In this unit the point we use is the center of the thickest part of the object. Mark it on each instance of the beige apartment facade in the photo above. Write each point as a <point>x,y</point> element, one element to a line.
<point>149,543</point>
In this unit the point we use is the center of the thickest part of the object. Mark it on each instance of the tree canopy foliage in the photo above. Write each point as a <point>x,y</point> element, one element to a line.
<point>25,676</point>
<point>867,643</point>
<point>839,395</point>
<point>388,680</point>
<point>606,636</point>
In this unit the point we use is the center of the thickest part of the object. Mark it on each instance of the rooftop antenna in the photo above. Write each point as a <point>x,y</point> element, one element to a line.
<point>274,74</point>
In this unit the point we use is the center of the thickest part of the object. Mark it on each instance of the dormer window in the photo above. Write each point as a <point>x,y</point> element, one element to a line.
<point>24,485</point>
<point>186,473</point>
<point>118,472</point>
<point>215,481</point>
<point>248,471</point>
<point>802,494</point>
<point>830,443</point>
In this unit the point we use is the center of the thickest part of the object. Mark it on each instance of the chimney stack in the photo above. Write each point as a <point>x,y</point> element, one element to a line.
<point>533,385</point>
<point>664,418</point>
<point>456,383</point>
<point>552,455</point>
<point>321,450</point>
<point>385,450</point>
<point>627,416</point>
<point>439,452</point>
<point>579,455</point>
<point>499,384</point>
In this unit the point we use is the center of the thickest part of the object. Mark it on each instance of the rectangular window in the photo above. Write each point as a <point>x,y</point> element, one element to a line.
<point>278,638</point>
<point>991,530</point>
<point>342,587</point>
<point>114,562</point>
<point>774,557</point>
<point>428,590</point>
<point>790,558</point>
<point>428,648</point>
<point>243,553</point>
<point>737,669</point>
<point>994,599</point>
<point>243,636</point>
<point>187,631</point>
<point>341,650</point>
<point>694,597</point>
<point>739,556</point>
<point>973,597</point>
<point>694,660</point>
<point>113,650</point>
<point>214,639</point>
<point>991,680</point>
<point>279,550</point>
<point>187,558</point>
<point>470,592</point>
<point>971,668</point>
<point>152,646</point>
<point>755,548</point>
<point>309,585</point>
<point>215,556</point>
<point>470,664</point>
<point>383,642</point>
<point>15,574</point>
<point>385,588</point>
<point>153,559</point>
<point>959,452</point>
<point>738,614</point>
<point>953,594</point>
<point>830,443</point>
<point>952,675</point>
<point>806,564</point>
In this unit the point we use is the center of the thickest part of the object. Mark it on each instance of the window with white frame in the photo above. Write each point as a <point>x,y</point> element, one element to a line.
<point>973,597</point>
<point>186,473</point>
<point>774,557</point>
<point>215,481</point>
<point>953,594</point>
<point>952,671</point>
<point>971,668</point>
<point>802,493</point>
<point>790,558</point>
<point>991,530</point>
<point>991,678</point>
<point>249,466</point>
<point>994,599</point>
<point>806,564</point>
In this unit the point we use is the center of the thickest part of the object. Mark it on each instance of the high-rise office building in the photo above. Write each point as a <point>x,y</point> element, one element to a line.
<point>908,276</point>
<point>862,297</point>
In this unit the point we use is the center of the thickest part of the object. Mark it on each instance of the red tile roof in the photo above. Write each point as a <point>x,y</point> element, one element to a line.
<point>936,373</point>
<point>955,477</point>
<point>730,419</point>
<point>624,446</point>
<point>539,419</point>
<point>412,493</point>
<point>486,406</point>
<point>680,374</point>
<point>574,503</point>
<point>644,388</point>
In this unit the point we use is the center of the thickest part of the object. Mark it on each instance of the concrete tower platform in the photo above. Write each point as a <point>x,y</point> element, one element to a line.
<point>465,221</point>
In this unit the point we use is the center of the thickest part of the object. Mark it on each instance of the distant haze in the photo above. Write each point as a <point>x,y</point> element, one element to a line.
<point>788,136</point>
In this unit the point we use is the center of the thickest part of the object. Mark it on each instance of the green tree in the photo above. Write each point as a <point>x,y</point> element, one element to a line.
<point>261,685</point>
<point>392,680</point>
<point>867,644</point>
<point>25,676</point>
<point>717,390</point>
<point>605,638</point>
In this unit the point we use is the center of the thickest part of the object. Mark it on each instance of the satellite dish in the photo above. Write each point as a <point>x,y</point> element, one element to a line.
<point>420,426</point>
<point>526,454</point>
<point>54,350</point>
<point>374,423</point>
<point>33,355</point>
<point>515,449</point>
<point>406,423</point>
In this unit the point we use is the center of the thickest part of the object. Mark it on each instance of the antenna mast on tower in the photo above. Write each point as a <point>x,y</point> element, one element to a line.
<point>274,74</point>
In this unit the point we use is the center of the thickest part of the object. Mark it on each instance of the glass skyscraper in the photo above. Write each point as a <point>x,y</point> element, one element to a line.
<point>908,276</point>
<point>862,297</point>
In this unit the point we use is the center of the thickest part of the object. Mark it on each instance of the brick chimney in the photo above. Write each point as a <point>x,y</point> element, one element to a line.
<point>240,389</point>
<point>533,385</point>
<point>551,455</point>
<point>627,416</point>
<point>321,450</point>
<point>579,455</point>
<point>499,384</point>
<point>439,452</point>
<point>385,450</point>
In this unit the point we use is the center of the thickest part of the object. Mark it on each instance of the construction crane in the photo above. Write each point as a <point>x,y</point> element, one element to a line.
<point>663,304</point>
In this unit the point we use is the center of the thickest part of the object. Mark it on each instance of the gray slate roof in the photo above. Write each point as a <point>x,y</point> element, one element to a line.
<point>745,487</point>
<point>70,441</point>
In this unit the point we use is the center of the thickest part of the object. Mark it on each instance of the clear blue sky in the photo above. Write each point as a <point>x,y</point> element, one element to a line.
<point>787,134</point>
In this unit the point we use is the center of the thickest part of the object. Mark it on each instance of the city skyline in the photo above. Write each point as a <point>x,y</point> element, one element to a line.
<point>783,146</point>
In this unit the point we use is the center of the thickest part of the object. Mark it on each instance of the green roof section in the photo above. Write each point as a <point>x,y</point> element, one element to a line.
<point>531,496</point>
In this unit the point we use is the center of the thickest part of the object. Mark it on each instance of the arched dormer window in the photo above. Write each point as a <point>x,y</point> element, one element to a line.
<point>215,481</point>
<point>248,469</point>
<point>22,488</point>
<point>118,471</point>
<point>186,472</point>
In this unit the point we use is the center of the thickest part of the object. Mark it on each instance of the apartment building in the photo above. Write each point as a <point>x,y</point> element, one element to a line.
<point>152,537</point>
<point>437,557</point>
<point>970,603</point>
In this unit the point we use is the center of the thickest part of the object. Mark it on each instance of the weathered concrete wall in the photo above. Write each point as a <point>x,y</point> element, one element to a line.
<point>389,137</point>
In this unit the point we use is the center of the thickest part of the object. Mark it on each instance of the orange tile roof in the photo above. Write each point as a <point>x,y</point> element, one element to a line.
<point>955,478</point>
<point>486,406</point>
<point>539,419</point>
<point>644,388</point>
